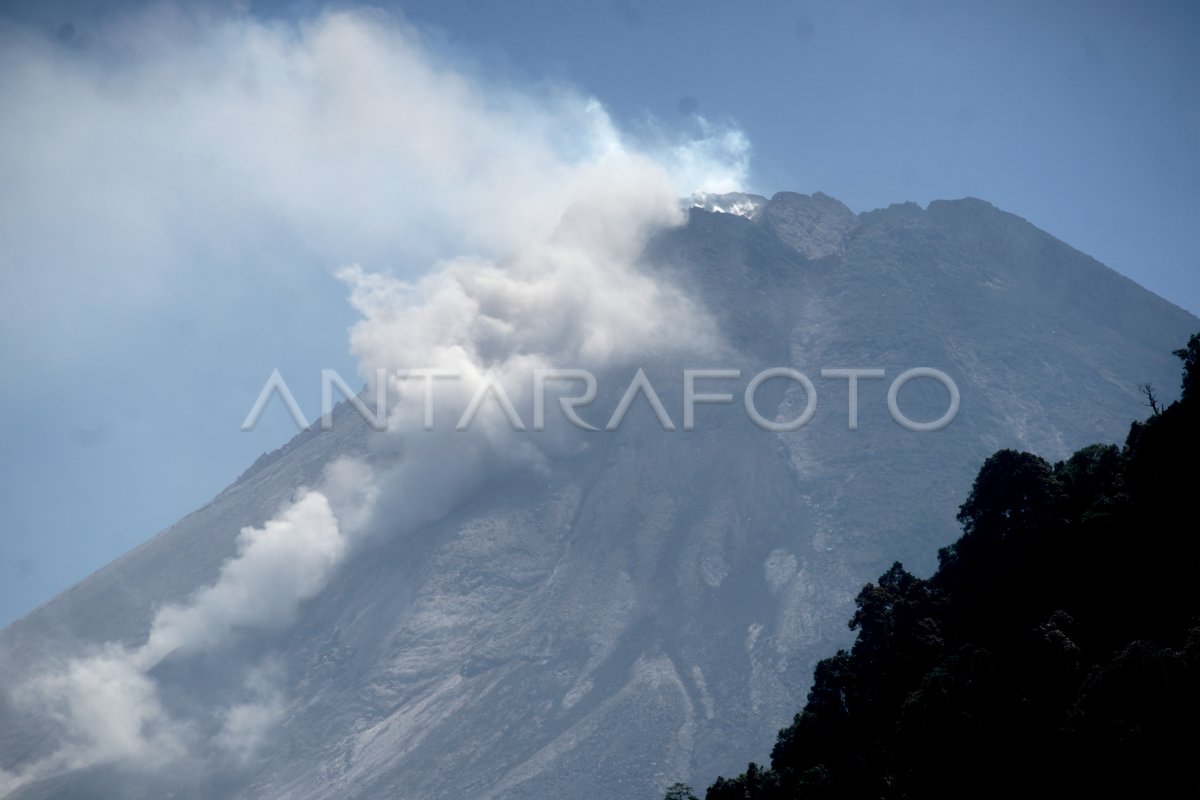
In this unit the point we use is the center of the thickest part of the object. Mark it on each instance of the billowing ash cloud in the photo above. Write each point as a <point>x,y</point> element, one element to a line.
<point>107,703</point>
<point>173,146</point>
<point>277,567</point>
<point>575,298</point>
<point>354,136</point>
<point>110,711</point>
<point>247,726</point>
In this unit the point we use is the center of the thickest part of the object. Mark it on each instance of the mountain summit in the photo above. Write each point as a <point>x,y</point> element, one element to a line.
<point>645,608</point>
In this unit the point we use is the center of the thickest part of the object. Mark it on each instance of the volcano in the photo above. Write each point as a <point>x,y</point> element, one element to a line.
<point>646,607</point>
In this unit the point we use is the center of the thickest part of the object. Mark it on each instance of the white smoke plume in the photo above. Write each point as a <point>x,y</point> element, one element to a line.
<point>574,298</point>
<point>278,566</point>
<point>109,709</point>
<point>360,142</point>
<point>107,703</point>
<point>175,152</point>
<point>247,727</point>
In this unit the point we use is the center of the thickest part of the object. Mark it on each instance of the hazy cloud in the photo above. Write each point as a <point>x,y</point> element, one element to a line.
<point>176,150</point>
<point>107,709</point>
<point>247,726</point>
<point>352,140</point>
<point>107,704</point>
<point>278,566</point>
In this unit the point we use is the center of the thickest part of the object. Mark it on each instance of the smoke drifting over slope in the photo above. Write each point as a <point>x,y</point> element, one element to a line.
<point>345,137</point>
<point>351,135</point>
<point>108,704</point>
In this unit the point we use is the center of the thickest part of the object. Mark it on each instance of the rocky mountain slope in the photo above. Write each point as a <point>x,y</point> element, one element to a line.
<point>650,608</point>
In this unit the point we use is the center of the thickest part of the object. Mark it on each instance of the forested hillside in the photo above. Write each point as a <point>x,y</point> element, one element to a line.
<point>1055,651</point>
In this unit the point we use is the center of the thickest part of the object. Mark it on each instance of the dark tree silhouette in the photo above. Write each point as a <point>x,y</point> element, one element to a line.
<point>1190,356</point>
<point>1056,650</point>
<point>679,791</point>
<point>1151,401</point>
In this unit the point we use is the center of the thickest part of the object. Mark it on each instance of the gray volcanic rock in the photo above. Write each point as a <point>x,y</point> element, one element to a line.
<point>650,609</point>
<point>815,225</point>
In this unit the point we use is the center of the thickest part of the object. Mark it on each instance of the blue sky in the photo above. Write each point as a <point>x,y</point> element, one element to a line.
<point>123,414</point>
